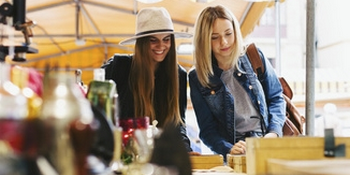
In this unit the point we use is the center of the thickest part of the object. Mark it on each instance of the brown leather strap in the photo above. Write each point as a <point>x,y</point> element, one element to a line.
<point>286,88</point>
<point>255,59</point>
<point>258,68</point>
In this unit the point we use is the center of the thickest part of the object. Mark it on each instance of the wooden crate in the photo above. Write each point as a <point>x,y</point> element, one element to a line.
<point>259,150</point>
<point>206,161</point>
<point>237,163</point>
<point>328,166</point>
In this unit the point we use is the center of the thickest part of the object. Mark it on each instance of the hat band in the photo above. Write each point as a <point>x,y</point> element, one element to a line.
<point>154,31</point>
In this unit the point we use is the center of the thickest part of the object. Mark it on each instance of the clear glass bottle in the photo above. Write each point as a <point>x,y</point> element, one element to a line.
<point>68,116</point>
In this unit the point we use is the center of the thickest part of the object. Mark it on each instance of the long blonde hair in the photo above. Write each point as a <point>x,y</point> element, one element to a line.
<point>202,41</point>
<point>158,99</point>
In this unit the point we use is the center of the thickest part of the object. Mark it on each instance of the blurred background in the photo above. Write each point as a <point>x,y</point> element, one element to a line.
<point>82,34</point>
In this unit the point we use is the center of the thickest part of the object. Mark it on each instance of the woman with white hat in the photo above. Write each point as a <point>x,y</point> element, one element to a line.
<point>150,82</point>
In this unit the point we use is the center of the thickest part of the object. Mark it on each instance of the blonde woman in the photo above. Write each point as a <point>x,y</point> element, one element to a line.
<point>229,101</point>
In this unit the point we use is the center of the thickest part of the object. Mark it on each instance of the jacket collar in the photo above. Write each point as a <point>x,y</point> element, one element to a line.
<point>218,71</point>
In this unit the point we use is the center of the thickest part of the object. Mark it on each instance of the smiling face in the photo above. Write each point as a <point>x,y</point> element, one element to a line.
<point>159,46</point>
<point>222,39</point>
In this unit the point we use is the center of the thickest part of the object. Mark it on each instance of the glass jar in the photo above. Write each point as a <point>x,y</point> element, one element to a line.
<point>129,126</point>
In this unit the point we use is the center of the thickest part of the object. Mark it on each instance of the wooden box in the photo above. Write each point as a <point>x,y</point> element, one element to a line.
<point>206,161</point>
<point>259,150</point>
<point>237,163</point>
<point>334,166</point>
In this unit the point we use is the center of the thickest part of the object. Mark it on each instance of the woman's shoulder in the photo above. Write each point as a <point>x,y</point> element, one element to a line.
<point>117,66</point>
<point>192,74</point>
<point>182,70</point>
<point>118,60</point>
<point>122,58</point>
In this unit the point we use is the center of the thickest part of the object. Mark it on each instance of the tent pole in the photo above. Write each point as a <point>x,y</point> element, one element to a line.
<point>77,16</point>
<point>310,68</point>
<point>278,37</point>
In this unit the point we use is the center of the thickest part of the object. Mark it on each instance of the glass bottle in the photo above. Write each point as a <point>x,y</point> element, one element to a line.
<point>101,94</point>
<point>13,109</point>
<point>68,117</point>
<point>32,127</point>
<point>78,80</point>
<point>116,163</point>
<point>19,77</point>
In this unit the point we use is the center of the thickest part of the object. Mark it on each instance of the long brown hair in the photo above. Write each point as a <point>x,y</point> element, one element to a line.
<point>156,92</point>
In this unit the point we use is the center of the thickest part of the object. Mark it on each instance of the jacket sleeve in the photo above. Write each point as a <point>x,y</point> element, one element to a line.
<point>183,106</point>
<point>208,125</point>
<point>276,106</point>
<point>108,66</point>
<point>117,67</point>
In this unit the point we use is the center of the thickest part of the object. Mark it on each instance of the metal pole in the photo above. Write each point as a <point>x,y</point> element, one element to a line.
<point>77,16</point>
<point>310,68</point>
<point>278,37</point>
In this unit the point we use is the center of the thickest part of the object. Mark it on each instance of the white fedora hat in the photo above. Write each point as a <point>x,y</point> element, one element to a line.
<point>153,20</point>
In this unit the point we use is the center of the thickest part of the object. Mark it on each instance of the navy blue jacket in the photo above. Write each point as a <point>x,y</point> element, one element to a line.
<point>214,106</point>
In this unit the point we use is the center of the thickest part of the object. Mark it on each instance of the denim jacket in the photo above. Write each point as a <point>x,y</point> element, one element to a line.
<point>214,106</point>
<point>118,69</point>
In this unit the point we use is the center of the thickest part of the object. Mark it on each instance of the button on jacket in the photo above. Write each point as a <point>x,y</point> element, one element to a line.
<point>214,106</point>
<point>118,69</point>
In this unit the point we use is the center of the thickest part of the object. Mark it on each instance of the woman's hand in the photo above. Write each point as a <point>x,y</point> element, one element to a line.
<point>271,135</point>
<point>238,148</point>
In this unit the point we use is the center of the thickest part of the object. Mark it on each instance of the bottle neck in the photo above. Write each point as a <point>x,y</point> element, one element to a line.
<point>19,77</point>
<point>99,74</point>
<point>4,72</point>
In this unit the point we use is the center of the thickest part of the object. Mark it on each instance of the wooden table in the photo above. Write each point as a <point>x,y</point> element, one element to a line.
<point>218,170</point>
<point>216,173</point>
